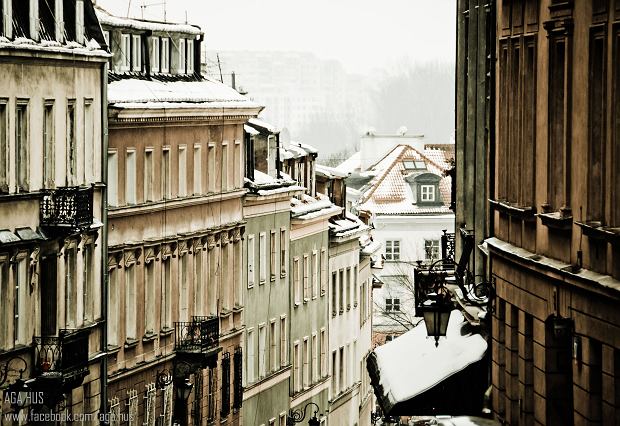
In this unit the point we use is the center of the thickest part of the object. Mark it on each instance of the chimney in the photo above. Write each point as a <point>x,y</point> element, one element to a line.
<point>233,82</point>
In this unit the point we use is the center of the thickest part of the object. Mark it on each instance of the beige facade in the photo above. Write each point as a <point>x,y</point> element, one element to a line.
<point>51,209</point>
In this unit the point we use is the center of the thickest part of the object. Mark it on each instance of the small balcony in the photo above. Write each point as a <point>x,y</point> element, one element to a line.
<point>197,339</point>
<point>67,208</point>
<point>62,360</point>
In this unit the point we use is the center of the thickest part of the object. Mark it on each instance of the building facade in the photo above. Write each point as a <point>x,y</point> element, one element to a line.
<point>552,179</point>
<point>267,212</point>
<point>52,121</point>
<point>175,273</point>
<point>349,299</point>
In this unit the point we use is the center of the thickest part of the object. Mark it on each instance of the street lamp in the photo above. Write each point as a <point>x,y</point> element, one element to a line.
<point>298,416</point>
<point>184,389</point>
<point>436,311</point>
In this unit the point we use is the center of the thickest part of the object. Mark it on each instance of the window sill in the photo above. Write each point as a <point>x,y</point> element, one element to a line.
<point>333,313</point>
<point>341,311</point>
<point>131,343</point>
<point>113,349</point>
<point>521,212</point>
<point>283,275</point>
<point>296,304</point>
<point>560,220</point>
<point>355,305</point>
<point>596,231</point>
<point>164,332</point>
<point>306,300</point>
<point>348,307</point>
<point>149,337</point>
<point>272,278</point>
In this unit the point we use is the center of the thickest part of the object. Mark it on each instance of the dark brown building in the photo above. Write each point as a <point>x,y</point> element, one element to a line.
<point>551,163</point>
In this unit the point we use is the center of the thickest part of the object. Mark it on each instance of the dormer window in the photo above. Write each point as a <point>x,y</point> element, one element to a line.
<point>155,54</point>
<point>190,56</point>
<point>165,54</point>
<point>181,69</point>
<point>425,188</point>
<point>125,51</point>
<point>136,53</point>
<point>427,193</point>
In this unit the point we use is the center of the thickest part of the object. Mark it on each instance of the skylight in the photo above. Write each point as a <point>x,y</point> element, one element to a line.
<point>414,165</point>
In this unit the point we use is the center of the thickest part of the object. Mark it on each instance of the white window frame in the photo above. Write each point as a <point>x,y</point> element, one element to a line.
<point>250,361</point>
<point>251,261</point>
<point>315,274</point>
<point>262,350</point>
<point>182,175</point>
<point>125,64</point>
<point>262,252</point>
<point>136,52</point>
<point>392,250</point>
<point>283,341</point>
<point>130,176</point>
<point>155,58</point>
<point>427,193</point>
<point>165,54</point>
<point>190,57</point>
<point>182,56</point>
<point>296,281</point>
<point>197,169</point>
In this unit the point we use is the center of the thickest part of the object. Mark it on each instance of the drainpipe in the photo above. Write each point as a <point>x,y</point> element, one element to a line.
<point>278,164</point>
<point>104,238</point>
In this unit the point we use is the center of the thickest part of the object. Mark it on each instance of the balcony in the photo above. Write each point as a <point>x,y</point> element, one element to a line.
<point>67,208</point>
<point>197,340</point>
<point>62,361</point>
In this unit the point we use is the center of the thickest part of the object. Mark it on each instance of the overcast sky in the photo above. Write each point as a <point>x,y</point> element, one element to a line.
<point>363,34</point>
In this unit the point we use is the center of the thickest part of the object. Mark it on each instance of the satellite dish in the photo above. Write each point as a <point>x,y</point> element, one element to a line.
<point>402,130</point>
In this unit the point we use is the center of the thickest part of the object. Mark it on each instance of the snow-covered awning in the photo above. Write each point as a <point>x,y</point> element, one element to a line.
<point>411,376</point>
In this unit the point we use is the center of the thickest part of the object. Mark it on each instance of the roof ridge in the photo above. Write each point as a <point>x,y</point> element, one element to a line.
<point>386,171</point>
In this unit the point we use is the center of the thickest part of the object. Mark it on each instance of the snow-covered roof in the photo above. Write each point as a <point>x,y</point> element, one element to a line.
<point>261,124</point>
<point>250,130</point>
<point>388,193</point>
<point>351,164</point>
<point>296,150</point>
<point>310,207</point>
<point>350,226</point>
<point>264,184</point>
<point>330,172</point>
<point>140,93</point>
<point>90,48</point>
<point>412,364</point>
<point>106,18</point>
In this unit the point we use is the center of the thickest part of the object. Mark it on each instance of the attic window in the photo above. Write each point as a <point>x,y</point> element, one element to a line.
<point>47,27</point>
<point>414,165</point>
<point>427,193</point>
<point>21,18</point>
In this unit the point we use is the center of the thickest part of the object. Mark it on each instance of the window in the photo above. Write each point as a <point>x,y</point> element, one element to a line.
<point>49,163</point>
<point>88,292</point>
<point>251,272</point>
<point>272,255</point>
<point>297,281</point>
<point>181,69</point>
<point>148,175</point>
<point>166,294</point>
<point>597,120</point>
<point>130,302</point>
<point>155,54</point>
<point>273,360</point>
<point>199,290</point>
<point>182,190</point>
<point>71,144</point>
<point>306,365</point>
<point>21,145</point>
<point>190,56</point>
<point>136,53</point>
<point>224,169</point>
<point>262,252</point>
<point>315,361</point>
<point>283,341</point>
<point>150,293</point>
<point>414,164</point>
<point>20,302</point>
<point>306,283</point>
<point>236,168</point>
<point>348,289</point>
<point>197,169</point>
<point>341,369</point>
<point>323,271</point>
<point>283,252</point>
<point>211,168</point>
<point>427,193</point>
<point>341,291</point>
<point>354,286</point>
<point>315,275</point>
<point>334,376</point>
<point>296,369</point>
<point>5,309</point>
<point>89,160</point>
<point>165,54</point>
<point>4,147</point>
<point>392,250</point>
<point>431,250</point>
<point>114,307</point>
<point>125,52</point>
<point>112,178</point>
<point>323,353</point>
<point>262,351</point>
<point>70,287</point>
<point>250,357</point>
<point>183,288</point>
<point>334,294</point>
<point>392,305</point>
<point>166,187</point>
<point>130,177</point>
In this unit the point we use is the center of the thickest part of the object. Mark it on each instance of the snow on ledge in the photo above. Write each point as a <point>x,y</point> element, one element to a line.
<point>411,364</point>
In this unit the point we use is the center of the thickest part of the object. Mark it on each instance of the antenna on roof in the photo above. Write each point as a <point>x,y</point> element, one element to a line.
<point>219,65</point>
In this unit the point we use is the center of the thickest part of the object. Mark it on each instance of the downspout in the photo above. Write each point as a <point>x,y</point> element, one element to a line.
<point>278,164</point>
<point>104,240</point>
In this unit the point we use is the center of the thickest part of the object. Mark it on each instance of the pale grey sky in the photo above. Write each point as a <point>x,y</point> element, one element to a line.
<point>363,34</point>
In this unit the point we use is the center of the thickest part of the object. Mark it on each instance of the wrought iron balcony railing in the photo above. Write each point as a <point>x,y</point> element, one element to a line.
<point>448,247</point>
<point>65,354</point>
<point>67,207</point>
<point>199,335</point>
